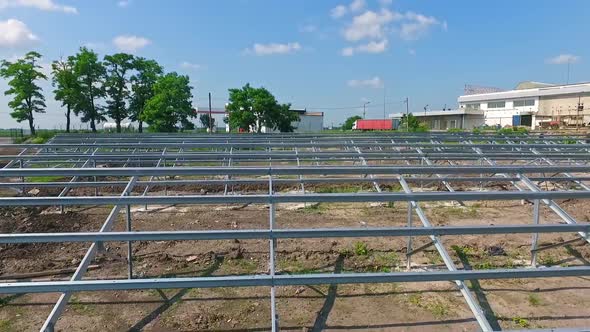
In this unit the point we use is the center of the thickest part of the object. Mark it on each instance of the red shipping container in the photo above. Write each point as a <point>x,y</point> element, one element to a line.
<point>374,125</point>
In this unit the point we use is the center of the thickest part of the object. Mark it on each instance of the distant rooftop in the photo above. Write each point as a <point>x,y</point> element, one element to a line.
<point>532,85</point>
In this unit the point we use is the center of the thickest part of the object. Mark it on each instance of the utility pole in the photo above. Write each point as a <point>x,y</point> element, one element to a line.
<point>365,109</point>
<point>580,109</point>
<point>407,114</point>
<point>210,116</point>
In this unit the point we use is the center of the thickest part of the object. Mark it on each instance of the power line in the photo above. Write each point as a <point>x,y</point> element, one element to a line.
<point>356,107</point>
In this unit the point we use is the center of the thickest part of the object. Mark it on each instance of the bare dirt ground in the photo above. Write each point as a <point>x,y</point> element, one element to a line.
<point>509,304</point>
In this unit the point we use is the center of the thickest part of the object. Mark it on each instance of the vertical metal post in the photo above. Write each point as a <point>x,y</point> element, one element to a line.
<point>409,246</point>
<point>129,248</point>
<point>272,245</point>
<point>535,235</point>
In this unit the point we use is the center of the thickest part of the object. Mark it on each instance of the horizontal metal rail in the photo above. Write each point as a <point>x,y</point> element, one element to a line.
<point>289,170</point>
<point>285,280</point>
<point>285,181</point>
<point>287,233</point>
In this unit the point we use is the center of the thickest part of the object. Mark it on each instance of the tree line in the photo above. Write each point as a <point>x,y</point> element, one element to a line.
<point>120,86</point>
<point>123,86</point>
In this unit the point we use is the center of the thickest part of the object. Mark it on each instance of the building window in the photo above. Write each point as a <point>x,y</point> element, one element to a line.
<point>497,104</point>
<point>524,102</point>
<point>452,124</point>
<point>436,124</point>
<point>473,106</point>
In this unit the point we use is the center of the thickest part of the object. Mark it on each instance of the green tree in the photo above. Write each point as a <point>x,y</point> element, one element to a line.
<point>28,98</point>
<point>412,124</point>
<point>285,118</point>
<point>257,107</point>
<point>67,89</point>
<point>207,121</point>
<point>171,105</point>
<point>90,73</point>
<point>349,123</point>
<point>142,86</point>
<point>117,80</point>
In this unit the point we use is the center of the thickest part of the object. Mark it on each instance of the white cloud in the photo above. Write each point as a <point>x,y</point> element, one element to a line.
<point>563,59</point>
<point>375,83</point>
<point>357,5</point>
<point>412,51</point>
<point>370,25</point>
<point>338,11</point>
<point>124,3</point>
<point>341,10</point>
<point>130,44</point>
<point>47,5</point>
<point>14,33</point>
<point>190,66</point>
<point>372,47</point>
<point>273,48</point>
<point>416,26</point>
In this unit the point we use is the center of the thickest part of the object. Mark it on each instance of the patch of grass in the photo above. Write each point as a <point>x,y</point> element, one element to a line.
<point>44,178</point>
<point>487,265</point>
<point>79,308</point>
<point>521,322</point>
<point>314,208</point>
<point>387,259</point>
<point>463,252</point>
<point>346,252</point>
<point>436,307</point>
<point>338,189</point>
<point>361,249</point>
<point>547,260</point>
<point>416,299</point>
<point>534,300</point>
<point>242,265</point>
<point>433,257</point>
<point>6,325</point>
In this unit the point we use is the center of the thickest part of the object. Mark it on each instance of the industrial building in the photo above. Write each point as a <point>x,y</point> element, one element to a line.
<point>532,104</point>
<point>309,122</point>
<point>447,119</point>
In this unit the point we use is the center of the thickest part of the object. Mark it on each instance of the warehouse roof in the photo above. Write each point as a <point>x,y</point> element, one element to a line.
<point>527,93</point>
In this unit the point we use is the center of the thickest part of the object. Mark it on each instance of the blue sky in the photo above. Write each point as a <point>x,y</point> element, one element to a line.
<point>327,56</point>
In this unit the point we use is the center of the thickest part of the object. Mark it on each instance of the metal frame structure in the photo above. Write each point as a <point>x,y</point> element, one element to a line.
<point>139,163</point>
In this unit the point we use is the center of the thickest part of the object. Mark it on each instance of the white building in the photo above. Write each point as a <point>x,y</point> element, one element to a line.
<point>532,103</point>
<point>309,122</point>
<point>466,119</point>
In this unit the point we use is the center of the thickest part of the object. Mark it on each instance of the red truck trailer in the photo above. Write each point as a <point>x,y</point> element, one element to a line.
<point>373,125</point>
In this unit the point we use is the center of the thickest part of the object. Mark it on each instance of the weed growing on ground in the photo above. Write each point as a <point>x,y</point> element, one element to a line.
<point>534,300</point>
<point>80,308</point>
<point>314,208</point>
<point>361,249</point>
<point>389,260</point>
<point>436,307</point>
<point>487,265</point>
<point>547,260</point>
<point>6,325</point>
<point>521,322</point>
<point>243,265</point>
<point>463,252</point>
